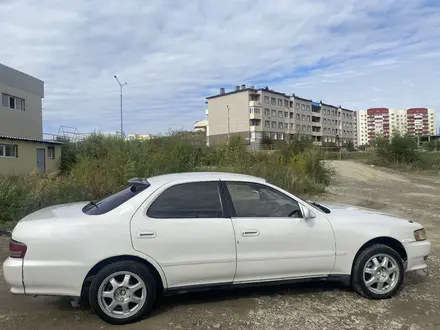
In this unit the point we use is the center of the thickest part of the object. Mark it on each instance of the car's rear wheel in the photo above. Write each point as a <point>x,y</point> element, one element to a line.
<point>378,272</point>
<point>122,292</point>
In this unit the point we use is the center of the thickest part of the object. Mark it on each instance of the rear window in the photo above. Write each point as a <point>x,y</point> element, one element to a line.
<point>113,201</point>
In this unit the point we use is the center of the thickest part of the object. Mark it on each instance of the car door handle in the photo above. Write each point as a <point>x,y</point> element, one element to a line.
<point>249,232</point>
<point>146,234</point>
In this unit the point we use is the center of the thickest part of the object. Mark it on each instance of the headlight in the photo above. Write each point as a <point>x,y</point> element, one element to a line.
<point>420,234</point>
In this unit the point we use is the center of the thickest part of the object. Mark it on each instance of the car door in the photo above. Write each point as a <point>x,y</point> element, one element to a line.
<point>273,239</point>
<point>184,228</point>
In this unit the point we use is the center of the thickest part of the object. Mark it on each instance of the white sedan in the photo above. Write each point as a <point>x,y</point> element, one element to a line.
<point>192,231</point>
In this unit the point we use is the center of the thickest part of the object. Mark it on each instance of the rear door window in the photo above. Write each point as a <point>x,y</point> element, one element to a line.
<point>188,200</point>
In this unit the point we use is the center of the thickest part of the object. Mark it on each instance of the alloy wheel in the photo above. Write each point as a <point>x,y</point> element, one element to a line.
<point>122,294</point>
<point>381,273</point>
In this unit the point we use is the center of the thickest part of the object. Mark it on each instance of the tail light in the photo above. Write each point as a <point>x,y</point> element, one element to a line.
<point>17,249</point>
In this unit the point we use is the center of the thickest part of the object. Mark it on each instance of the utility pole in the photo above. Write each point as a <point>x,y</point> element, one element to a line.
<point>120,94</point>
<point>229,129</point>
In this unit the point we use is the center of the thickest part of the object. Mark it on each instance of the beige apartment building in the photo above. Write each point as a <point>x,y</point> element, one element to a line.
<point>253,113</point>
<point>21,128</point>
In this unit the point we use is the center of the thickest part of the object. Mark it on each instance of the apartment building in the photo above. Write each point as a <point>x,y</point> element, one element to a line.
<point>386,122</point>
<point>253,113</point>
<point>21,127</point>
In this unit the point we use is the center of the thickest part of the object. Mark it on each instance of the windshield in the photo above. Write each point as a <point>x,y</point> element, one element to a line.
<point>113,201</point>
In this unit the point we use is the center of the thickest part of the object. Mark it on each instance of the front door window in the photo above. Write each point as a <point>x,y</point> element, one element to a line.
<point>258,201</point>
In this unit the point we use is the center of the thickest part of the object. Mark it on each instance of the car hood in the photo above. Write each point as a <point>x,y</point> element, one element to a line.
<point>62,211</point>
<point>361,213</point>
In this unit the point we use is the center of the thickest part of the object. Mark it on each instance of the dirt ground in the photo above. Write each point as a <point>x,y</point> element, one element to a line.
<point>310,306</point>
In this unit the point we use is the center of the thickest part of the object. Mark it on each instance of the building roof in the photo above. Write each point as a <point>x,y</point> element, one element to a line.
<point>12,138</point>
<point>329,105</point>
<point>232,92</point>
<point>250,90</point>
<point>301,98</point>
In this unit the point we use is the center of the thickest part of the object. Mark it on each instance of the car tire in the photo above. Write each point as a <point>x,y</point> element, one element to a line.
<point>122,292</point>
<point>375,277</point>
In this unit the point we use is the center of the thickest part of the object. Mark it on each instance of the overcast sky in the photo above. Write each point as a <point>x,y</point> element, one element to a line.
<point>172,53</point>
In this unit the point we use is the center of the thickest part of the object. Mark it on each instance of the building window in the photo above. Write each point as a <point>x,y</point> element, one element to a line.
<point>274,113</point>
<point>291,126</point>
<point>280,102</point>
<point>309,128</point>
<point>266,99</point>
<point>297,106</point>
<point>257,110</point>
<point>324,121</point>
<point>267,112</point>
<point>286,125</point>
<point>274,124</point>
<point>273,136</point>
<point>291,115</point>
<point>13,102</point>
<point>280,136</point>
<point>298,116</point>
<point>51,152</point>
<point>303,107</point>
<point>303,128</point>
<point>308,107</point>
<point>280,114</point>
<point>286,103</point>
<point>297,128</point>
<point>273,100</point>
<point>280,125</point>
<point>286,114</point>
<point>267,123</point>
<point>308,118</point>
<point>303,117</point>
<point>8,150</point>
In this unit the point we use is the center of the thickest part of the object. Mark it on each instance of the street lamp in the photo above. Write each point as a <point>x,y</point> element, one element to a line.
<point>120,86</point>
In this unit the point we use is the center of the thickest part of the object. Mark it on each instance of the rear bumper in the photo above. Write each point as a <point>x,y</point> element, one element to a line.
<point>13,274</point>
<point>417,253</point>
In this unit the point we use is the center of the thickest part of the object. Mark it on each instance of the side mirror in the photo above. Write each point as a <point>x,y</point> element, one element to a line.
<point>308,214</point>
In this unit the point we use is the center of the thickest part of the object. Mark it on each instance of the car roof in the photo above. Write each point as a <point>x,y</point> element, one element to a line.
<point>202,176</point>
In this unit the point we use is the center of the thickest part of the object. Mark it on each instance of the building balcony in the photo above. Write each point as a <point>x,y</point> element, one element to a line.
<point>255,128</point>
<point>254,103</point>
<point>254,115</point>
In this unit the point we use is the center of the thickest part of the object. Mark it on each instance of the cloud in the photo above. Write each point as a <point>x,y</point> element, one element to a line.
<point>173,54</point>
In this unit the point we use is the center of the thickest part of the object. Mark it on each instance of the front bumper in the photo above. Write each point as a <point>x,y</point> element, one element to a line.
<point>417,253</point>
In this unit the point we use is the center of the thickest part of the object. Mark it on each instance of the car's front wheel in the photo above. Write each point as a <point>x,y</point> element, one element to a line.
<point>378,272</point>
<point>122,292</point>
